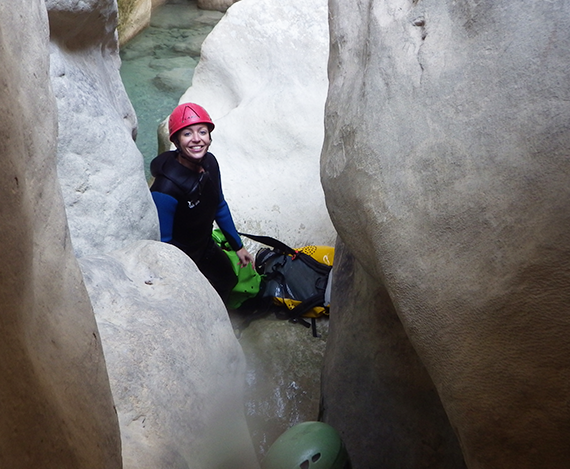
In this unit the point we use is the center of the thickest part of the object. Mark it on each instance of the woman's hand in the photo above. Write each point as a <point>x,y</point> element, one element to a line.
<point>245,257</point>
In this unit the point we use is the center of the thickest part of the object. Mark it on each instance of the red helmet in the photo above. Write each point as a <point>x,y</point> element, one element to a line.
<point>188,114</point>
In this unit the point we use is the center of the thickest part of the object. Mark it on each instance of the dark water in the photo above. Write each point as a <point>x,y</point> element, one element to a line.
<point>158,65</point>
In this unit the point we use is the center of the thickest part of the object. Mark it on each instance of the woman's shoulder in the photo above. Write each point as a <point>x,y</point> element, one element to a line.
<point>169,175</point>
<point>160,164</point>
<point>210,163</point>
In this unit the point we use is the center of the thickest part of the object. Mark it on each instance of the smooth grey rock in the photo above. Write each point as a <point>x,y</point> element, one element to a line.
<point>262,77</point>
<point>187,14</point>
<point>445,167</point>
<point>176,369</point>
<point>57,408</point>
<point>99,166</point>
<point>176,79</point>
<point>134,16</point>
<point>376,391</point>
<point>284,363</point>
<point>220,5</point>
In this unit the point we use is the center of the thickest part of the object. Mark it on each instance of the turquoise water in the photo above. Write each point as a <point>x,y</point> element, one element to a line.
<point>158,65</point>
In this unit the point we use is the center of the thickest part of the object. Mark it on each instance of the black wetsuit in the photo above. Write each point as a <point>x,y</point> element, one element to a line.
<point>188,203</point>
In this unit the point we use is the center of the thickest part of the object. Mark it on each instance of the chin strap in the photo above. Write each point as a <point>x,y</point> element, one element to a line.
<point>196,166</point>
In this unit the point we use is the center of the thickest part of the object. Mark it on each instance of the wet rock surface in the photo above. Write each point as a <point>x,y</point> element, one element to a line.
<point>283,371</point>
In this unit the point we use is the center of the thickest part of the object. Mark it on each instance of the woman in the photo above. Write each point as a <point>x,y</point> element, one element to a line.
<point>188,194</point>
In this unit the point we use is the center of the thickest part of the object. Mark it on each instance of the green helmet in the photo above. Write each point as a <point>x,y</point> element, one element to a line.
<point>308,445</point>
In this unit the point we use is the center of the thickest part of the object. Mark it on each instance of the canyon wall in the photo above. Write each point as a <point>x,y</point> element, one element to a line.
<point>446,173</point>
<point>57,409</point>
<point>174,403</point>
<point>177,371</point>
<point>99,166</point>
<point>74,397</point>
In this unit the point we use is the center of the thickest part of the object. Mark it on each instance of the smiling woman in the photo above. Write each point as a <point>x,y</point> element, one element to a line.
<point>187,191</point>
<point>157,65</point>
<point>189,129</point>
<point>193,143</point>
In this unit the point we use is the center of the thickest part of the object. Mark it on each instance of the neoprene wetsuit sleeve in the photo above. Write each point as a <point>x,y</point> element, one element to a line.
<point>166,207</point>
<point>226,223</point>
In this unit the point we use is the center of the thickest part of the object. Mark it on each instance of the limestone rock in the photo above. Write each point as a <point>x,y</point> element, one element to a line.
<point>376,391</point>
<point>187,16</point>
<point>284,363</point>
<point>267,103</point>
<point>134,16</point>
<point>100,168</point>
<point>220,5</point>
<point>445,167</point>
<point>57,409</point>
<point>176,369</point>
<point>174,80</point>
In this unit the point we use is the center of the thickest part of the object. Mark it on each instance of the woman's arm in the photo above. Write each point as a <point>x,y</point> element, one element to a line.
<point>166,207</point>
<point>226,223</point>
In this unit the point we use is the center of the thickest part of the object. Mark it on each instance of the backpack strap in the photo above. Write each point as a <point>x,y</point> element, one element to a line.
<point>274,243</point>
<point>295,314</point>
<point>281,246</point>
<point>306,305</point>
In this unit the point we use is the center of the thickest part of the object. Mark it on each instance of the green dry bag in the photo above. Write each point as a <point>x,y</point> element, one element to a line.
<point>248,279</point>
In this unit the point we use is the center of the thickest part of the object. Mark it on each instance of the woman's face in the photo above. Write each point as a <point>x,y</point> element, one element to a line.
<point>194,141</point>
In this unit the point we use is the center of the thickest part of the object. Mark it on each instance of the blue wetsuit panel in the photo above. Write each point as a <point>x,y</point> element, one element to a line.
<point>166,206</point>
<point>226,223</point>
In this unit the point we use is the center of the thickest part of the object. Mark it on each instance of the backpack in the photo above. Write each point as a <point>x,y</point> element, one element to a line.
<point>298,279</point>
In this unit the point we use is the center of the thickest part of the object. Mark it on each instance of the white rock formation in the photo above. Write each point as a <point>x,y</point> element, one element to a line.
<point>176,369</point>
<point>57,409</point>
<point>100,168</point>
<point>263,78</point>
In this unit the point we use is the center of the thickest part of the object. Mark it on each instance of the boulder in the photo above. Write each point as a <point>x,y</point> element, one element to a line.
<point>445,167</point>
<point>219,5</point>
<point>176,369</point>
<point>99,166</point>
<point>267,103</point>
<point>134,16</point>
<point>185,16</point>
<point>57,408</point>
<point>174,80</point>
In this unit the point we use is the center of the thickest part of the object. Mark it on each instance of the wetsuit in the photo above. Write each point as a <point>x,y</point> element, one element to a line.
<point>188,202</point>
